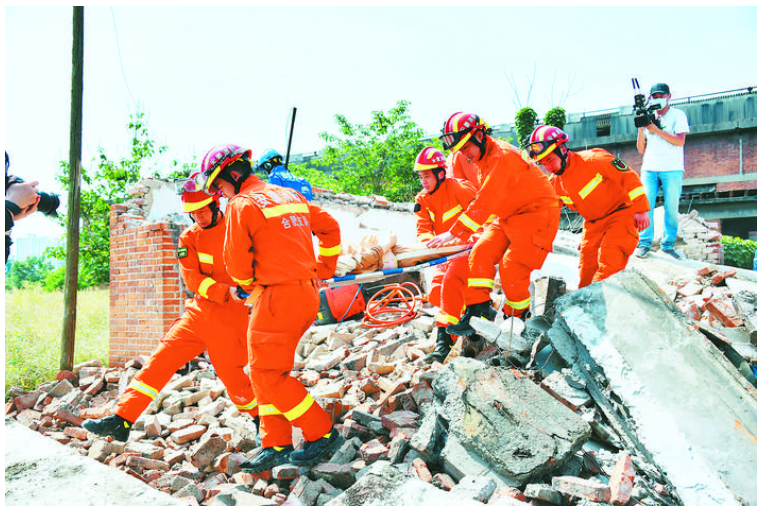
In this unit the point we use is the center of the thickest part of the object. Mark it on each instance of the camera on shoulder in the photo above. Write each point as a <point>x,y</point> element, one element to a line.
<point>643,108</point>
<point>48,202</point>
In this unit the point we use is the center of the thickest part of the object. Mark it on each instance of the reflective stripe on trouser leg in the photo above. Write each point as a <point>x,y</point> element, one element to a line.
<point>227,348</point>
<point>483,259</point>
<point>530,236</point>
<point>173,352</point>
<point>454,287</point>
<point>616,238</point>
<point>282,314</point>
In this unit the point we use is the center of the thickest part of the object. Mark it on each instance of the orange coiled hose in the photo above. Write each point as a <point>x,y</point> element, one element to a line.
<point>392,305</point>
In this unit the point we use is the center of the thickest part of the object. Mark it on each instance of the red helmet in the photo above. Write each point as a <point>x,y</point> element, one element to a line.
<point>192,198</point>
<point>216,160</point>
<point>543,141</point>
<point>430,158</point>
<point>459,128</point>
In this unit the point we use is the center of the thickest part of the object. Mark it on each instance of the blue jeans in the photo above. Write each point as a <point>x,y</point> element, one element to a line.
<point>671,183</point>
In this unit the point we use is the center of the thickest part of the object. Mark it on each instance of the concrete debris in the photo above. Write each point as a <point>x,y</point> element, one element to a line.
<point>612,393</point>
<point>676,399</point>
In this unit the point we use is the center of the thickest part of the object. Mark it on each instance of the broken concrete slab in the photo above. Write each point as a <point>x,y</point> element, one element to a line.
<point>39,471</point>
<point>745,302</point>
<point>693,414</point>
<point>501,419</point>
<point>389,486</point>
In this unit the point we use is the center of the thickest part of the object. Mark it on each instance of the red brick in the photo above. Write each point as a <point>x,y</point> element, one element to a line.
<point>443,481</point>
<point>587,489</point>
<point>421,470</point>
<point>188,434</point>
<point>719,278</point>
<point>372,451</point>
<point>76,432</point>
<point>723,310</point>
<point>621,480</point>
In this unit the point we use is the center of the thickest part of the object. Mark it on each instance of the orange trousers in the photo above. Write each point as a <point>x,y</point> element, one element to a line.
<point>279,318</point>
<point>218,328</point>
<point>606,246</point>
<point>519,245</point>
<point>449,289</point>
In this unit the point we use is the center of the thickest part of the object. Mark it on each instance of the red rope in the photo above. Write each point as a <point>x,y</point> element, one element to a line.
<point>392,305</point>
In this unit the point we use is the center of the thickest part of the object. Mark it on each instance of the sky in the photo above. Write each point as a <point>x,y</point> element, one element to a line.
<point>205,76</point>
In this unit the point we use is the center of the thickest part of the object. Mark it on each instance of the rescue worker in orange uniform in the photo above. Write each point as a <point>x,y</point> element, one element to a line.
<point>527,218</point>
<point>437,207</point>
<point>269,253</point>
<point>214,320</point>
<point>601,188</point>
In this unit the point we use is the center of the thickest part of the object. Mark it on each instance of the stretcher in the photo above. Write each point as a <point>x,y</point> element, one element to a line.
<point>446,254</point>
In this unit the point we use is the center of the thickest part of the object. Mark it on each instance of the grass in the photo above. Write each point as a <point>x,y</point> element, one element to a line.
<point>33,326</point>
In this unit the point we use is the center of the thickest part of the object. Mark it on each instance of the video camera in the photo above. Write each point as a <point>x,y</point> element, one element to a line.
<point>644,110</point>
<point>48,202</point>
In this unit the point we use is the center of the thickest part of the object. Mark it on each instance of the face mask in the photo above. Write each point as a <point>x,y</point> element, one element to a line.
<point>662,102</point>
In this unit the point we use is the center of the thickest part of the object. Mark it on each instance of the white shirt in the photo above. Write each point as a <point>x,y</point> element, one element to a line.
<point>659,154</point>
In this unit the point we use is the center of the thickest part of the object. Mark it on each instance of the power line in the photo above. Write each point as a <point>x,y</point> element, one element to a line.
<point>118,47</point>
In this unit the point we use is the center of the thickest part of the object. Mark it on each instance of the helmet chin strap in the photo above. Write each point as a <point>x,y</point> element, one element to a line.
<point>437,180</point>
<point>563,160</point>
<point>481,145</point>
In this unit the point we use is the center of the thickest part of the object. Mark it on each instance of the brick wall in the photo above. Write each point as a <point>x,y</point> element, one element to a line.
<point>145,285</point>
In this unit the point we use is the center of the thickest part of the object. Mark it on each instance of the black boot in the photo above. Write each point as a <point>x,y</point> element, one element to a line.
<point>473,346</point>
<point>463,328</point>
<point>114,426</point>
<point>267,459</point>
<point>443,346</point>
<point>314,451</point>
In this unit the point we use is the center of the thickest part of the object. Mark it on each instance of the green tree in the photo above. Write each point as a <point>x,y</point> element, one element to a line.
<point>375,158</point>
<point>103,185</point>
<point>525,122</point>
<point>32,270</point>
<point>556,117</point>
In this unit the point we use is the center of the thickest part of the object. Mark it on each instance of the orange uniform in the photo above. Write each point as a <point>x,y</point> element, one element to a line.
<point>528,216</point>
<point>434,214</point>
<point>269,252</point>
<point>607,193</point>
<point>460,168</point>
<point>212,321</point>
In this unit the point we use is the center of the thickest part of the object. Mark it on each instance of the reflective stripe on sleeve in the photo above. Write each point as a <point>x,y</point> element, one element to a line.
<point>452,213</point>
<point>330,252</point>
<point>591,186</point>
<point>465,220</point>
<point>636,192</point>
<point>203,289</point>
<point>205,258</point>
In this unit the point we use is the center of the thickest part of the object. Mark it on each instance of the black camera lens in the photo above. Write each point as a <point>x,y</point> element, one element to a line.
<point>48,203</point>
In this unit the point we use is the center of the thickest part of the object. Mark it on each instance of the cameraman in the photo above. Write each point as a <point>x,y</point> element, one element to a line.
<point>21,200</point>
<point>662,165</point>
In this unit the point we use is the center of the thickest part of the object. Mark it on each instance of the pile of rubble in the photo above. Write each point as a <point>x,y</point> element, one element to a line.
<point>543,415</point>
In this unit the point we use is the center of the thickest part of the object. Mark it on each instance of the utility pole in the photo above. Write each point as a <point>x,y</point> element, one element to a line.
<point>74,195</point>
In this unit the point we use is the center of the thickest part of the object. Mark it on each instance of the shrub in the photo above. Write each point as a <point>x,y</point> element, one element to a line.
<point>739,252</point>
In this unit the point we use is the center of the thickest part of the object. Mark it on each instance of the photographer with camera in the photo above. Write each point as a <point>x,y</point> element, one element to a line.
<point>660,140</point>
<point>21,200</point>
